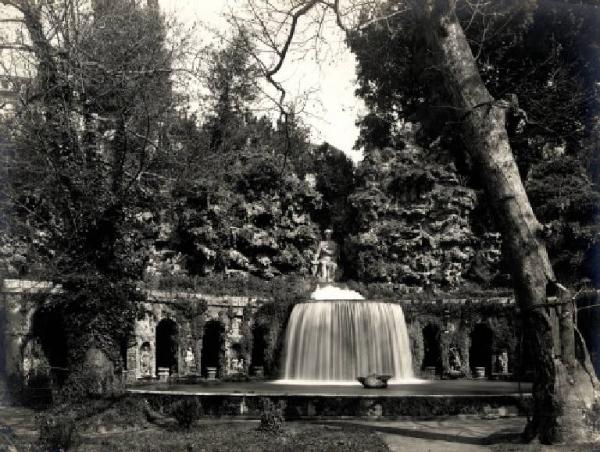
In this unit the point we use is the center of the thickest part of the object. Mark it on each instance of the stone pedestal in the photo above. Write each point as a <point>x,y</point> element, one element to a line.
<point>163,374</point>
<point>211,373</point>
<point>479,373</point>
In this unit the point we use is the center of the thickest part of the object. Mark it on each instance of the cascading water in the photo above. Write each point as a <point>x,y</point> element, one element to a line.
<point>337,341</point>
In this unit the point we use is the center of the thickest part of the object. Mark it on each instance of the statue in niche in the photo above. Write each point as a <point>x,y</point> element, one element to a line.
<point>237,365</point>
<point>145,364</point>
<point>324,264</point>
<point>188,359</point>
<point>502,362</point>
<point>454,360</point>
<point>35,363</point>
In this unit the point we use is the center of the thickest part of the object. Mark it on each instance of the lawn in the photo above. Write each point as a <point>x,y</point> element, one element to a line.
<point>119,428</point>
<point>236,436</point>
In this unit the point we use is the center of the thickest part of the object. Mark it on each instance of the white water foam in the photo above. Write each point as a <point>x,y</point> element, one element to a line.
<point>331,292</point>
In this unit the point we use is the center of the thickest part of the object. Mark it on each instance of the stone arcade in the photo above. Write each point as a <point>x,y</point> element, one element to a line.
<point>168,339</point>
<point>167,336</point>
<point>184,335</point>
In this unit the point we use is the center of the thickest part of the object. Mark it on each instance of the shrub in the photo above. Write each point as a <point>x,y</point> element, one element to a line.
<point>186,411</point>
<point>130,410</point>
<point>56,431</point>
<point>121,413</point>
<point>272,418</point>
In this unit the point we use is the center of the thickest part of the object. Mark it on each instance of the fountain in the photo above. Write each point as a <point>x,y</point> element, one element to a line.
<point>338,336</point>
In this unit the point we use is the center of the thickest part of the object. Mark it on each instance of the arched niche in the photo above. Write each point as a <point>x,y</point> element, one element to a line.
<point>213,346</point>
<point>259,345</point>
<point>480,352</point>
<point>48,328</point>
<point>432,349</point>
<point>167,345</point>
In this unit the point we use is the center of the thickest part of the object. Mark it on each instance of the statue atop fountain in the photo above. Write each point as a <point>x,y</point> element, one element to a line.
<point>324,267</point>
<point>337,335</point>
<point>324,264</point>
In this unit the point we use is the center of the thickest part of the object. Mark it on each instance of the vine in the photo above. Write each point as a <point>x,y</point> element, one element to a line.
<point>96,313</point>
<point>192,312</point>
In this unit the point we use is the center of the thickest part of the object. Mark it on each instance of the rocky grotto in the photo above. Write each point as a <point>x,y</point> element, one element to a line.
<point>413,237</point>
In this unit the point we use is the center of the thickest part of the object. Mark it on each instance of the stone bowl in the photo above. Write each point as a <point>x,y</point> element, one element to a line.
<point>374,381</point>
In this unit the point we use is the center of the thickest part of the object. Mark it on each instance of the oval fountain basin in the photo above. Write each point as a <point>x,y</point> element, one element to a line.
<point>334,342</point>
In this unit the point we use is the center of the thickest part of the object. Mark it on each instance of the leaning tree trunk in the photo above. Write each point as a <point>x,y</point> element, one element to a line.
<point>564,386</point>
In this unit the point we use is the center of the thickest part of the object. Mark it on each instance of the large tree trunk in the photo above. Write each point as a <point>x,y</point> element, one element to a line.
<point>564,387</point>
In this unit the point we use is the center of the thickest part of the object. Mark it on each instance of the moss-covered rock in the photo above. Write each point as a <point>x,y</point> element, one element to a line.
<point>413,223</point>
<point>260,223</point>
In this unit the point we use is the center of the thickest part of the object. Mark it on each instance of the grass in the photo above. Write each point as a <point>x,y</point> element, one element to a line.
<point>121,426</point>
<point>236,436</point>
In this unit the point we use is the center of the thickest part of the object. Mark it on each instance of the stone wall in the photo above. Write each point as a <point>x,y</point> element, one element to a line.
<point>190,312</point>
<point>490,324</point>
<point>340,406</point>
<point>190,315</point>
<point>232,313</point>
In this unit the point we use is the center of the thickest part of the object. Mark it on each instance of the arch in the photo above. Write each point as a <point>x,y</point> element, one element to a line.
<point>432,350</point>
<point>213,345</point>
<point>480,352</point>
<point>259,345</point>
<point>48,327</point>
<point>166,344</point>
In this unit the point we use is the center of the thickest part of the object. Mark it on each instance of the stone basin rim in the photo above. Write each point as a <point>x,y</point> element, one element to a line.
<point>376,393</point>
<point>366,300</point>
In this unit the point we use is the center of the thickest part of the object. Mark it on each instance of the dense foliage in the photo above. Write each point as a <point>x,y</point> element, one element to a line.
<point>413,225</point>
<point>259,221</point>
<point>85,134</point>
<point>535,56</point>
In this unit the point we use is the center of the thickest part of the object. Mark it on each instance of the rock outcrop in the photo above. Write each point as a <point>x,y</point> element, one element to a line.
<point>413,220</point>
<point>261,224</point>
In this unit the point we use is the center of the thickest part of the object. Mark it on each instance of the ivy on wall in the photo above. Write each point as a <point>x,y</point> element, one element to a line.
<point>246,343</point>
<point>95,313</point>
<point>456,323</point>
<point>272,318</point>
